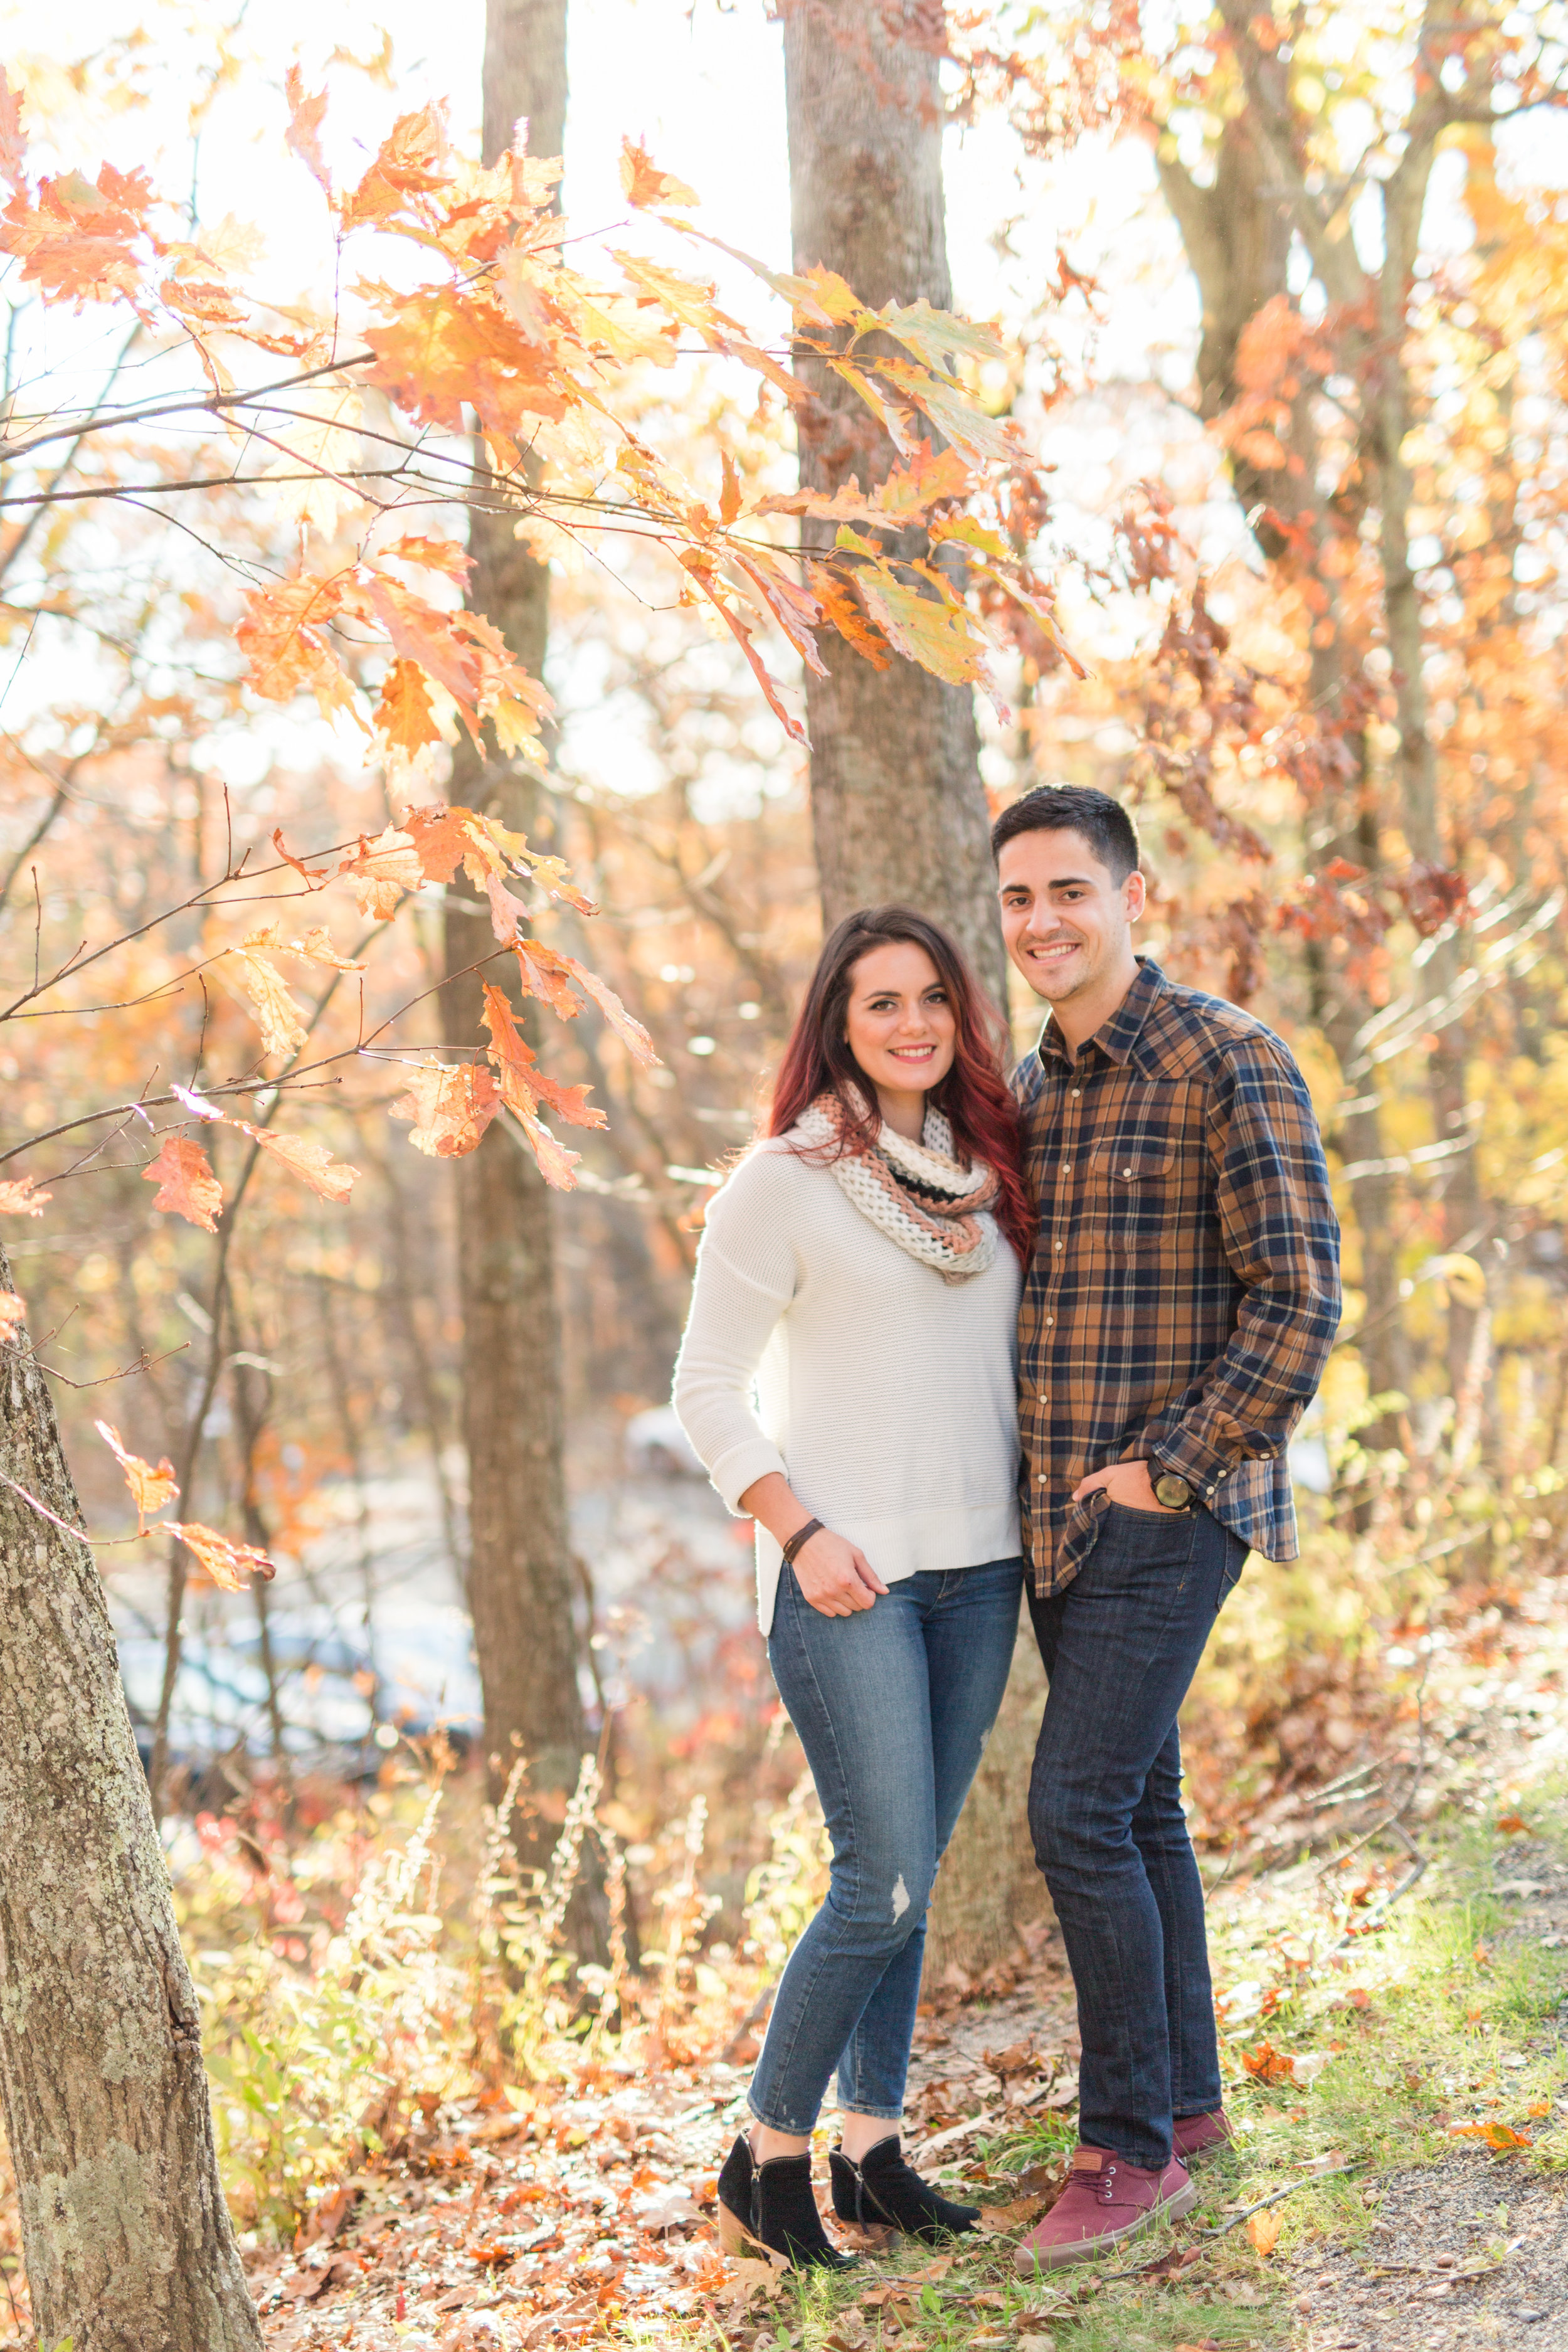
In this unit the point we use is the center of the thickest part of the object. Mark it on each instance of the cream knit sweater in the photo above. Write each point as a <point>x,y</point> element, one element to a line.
<point>887,1396</point>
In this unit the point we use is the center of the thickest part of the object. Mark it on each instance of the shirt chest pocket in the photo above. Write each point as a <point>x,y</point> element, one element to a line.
<point>1132,1194</point>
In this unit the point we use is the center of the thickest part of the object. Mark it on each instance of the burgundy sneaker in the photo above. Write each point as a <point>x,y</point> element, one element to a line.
<point>1105,2203</point>
<point>1197,2134</point>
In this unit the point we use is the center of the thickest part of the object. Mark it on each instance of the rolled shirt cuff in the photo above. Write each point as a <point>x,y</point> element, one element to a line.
<point>1192,1458</point>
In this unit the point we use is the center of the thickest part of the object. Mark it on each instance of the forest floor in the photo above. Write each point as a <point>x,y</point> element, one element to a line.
<point>1393,2006</point>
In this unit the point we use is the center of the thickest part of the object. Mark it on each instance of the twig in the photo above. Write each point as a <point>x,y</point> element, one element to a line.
<point>1276,2195</point>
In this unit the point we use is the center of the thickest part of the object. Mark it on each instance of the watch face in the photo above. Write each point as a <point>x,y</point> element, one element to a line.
<point>1173,1492</point>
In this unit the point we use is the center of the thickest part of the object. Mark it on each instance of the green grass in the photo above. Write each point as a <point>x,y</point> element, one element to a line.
<point>1442,2022</point>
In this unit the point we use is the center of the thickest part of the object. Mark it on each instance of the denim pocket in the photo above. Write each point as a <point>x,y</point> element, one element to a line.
<point>1146,1538</point>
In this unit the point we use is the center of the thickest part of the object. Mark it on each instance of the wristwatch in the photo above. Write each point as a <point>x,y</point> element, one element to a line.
<point>1173,1492</point>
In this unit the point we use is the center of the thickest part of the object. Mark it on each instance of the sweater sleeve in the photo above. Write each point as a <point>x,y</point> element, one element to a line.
<point>745,1279</point>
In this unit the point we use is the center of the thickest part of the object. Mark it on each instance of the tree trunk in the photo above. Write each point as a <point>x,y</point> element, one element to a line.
<point>125,2233</point>
<point>988,1885</point>
<point>522,1585</point>
<point>897,808</point>
<point>1236,238</point>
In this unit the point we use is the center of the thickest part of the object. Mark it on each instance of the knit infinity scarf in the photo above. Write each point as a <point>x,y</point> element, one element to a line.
<point>918,1193</point>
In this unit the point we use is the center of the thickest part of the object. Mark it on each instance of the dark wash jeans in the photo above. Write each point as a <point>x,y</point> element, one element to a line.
<point>894,1706</point>
<point>1120,1644</point>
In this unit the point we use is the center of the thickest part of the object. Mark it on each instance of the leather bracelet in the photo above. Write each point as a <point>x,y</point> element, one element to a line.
<point>799,1541</point>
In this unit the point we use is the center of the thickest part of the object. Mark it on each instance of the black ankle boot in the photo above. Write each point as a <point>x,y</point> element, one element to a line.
<point>882,2189</point>
<point>769,2208</point>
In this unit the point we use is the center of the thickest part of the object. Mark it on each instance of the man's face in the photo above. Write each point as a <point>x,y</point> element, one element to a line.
<point>1065,919</point>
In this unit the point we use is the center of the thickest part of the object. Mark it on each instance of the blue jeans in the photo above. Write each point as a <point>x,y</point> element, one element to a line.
<point>1120,1644</point>
<point>894,1706</point>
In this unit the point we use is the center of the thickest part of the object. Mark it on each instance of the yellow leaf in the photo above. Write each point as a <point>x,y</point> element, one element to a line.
<point>277,1016</point>
<point>151,1486</point>
<point>229,1565</point>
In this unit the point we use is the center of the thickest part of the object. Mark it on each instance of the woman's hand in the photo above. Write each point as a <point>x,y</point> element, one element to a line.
<point>834,1576</point>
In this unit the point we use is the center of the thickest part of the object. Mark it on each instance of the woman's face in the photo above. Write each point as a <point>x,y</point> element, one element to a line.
<point>900,1022</point>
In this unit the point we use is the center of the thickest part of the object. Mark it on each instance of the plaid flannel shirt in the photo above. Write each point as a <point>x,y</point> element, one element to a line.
<point>1184,1291</point>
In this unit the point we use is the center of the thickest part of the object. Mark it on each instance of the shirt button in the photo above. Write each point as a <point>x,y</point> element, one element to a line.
<point>1044,1479</point>
<point>1044,1398</point>
<point>1058,1247</point>
<point>1049,1320</point>
<point>1127,1171</point>
<point>1067,1167</point>
<point>1076,1092</point>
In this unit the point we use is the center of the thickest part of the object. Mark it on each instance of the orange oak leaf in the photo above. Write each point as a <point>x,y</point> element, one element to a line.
<point>329,1178</point>
<point>935,632</point>
<point>555,1162</point>
<point>187,1187</point>
<point>230,1565</point>
<point>317,947</point>
<point>553,877</point>
<point>303,135</point>
<point>1498,2135</point>
<point>405,716</point>
<point>1263,2230</point>
<point>306,874</point>
<point>433,353</point>
<point>523,1085</point>
<point>642,182</point>
<point>422,634</point>
<point>447,838</point>
<point>281,637</point>
<point>699,566</point>
<point>381,870</point>
<point>448,556</point>
<point>277,1016</point>
<point>630,1032</point>
<point>12,1313</point>
<point>1269,2064</point>
<point>22,1198</point>
<point>77,242</point>
<point>152,1486</point>
<point>410,161</point>
<point>450,1107</point>
<point>547,976</point>
<point>839,607</point>
<point>508,914</point>
<point>13,138</point>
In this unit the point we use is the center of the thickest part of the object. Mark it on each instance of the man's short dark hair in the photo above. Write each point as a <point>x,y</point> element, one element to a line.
<point>1074,808</point>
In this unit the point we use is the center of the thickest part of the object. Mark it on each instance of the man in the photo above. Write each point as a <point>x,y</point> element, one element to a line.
<point>1182,1299</point>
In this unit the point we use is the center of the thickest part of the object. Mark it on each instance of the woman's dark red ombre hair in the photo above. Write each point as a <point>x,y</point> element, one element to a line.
<point>974,1097</point>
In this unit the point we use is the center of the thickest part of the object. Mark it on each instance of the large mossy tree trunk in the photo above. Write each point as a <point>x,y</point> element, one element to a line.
<point>898,807</point>
<point>523,1587</point>
<point>125,2235</point>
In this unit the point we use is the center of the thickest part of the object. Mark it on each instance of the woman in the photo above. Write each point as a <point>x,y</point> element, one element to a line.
<point>861,1267</point>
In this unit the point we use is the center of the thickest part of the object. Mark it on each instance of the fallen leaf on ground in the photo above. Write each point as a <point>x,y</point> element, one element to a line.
<point>1177,2260</point>
<point>1263,2230</point>
<point>1267,2064</point>
<point>996,2219</point>
<point>1494,2135</point>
